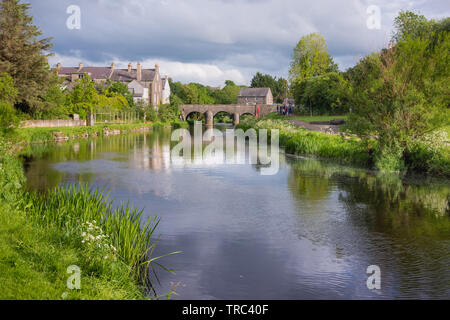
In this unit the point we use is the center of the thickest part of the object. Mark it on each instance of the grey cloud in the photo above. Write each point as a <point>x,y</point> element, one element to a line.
<point>246,35</point>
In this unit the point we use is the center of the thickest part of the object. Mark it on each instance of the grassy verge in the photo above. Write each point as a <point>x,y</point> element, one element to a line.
<point>34,261</point>
<point>44,135</point>
<point>307,119</point>
<point>41,235</point>
<point>424,158</point>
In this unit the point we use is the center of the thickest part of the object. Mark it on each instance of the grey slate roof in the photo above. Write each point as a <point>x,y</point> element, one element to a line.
<point>95,72</point>
<point>124,75</point>
<point>108,73</point>
<point>254,92</point>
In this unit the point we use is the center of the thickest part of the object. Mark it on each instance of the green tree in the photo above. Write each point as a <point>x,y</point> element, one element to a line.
<point>8,95</point>
<point>278,87</point>
<point>22,54</point>
<point>229,93</point>
<point>401,95</point>
<point>326,94</point>
<point>122,89</point>
<point>54,102</point>
<point>83,96</point>
<point>411,25</point>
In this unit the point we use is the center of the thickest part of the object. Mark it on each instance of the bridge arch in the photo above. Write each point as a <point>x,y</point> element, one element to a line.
<point>234,109</point>
<point>194,113</point>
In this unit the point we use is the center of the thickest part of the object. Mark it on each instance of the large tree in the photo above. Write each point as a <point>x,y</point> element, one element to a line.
<point>310,58</point>
<point>22,55</point>
<point>279,87</point>
<point>411,25</point>
<point>401,95</point>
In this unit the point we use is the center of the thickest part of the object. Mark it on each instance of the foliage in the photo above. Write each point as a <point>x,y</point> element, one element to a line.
<point>41,255</point>
<point>310,58</point>
<point>400,96</point>
<point>411,25</point>
<point>22,55</point>
<point>427,155</point>
<point>68,208</point>
<point>8,95</point>
<point>325,94</point>
<point>303,142</point>
<point>118,88</point>
<point>169,113</point>
<point>195,93</point>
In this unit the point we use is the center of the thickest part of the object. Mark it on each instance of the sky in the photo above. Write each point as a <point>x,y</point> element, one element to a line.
<point>210,41</point>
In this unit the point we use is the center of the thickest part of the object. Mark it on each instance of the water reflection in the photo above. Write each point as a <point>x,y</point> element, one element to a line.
<point>308,232</point>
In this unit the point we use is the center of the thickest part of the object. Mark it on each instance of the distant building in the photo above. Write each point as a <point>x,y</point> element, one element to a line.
<point>145,84</point>
<point>255,96</point>
<point>139,91</point>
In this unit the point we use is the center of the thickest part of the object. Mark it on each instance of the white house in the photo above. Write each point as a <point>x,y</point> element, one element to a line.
<point>139,91</point>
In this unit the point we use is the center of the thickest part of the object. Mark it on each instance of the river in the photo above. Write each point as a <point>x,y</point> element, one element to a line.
<point>308,232</point>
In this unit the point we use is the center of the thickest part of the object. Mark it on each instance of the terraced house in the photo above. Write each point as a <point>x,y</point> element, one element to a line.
<point>145,84</point>
<point>249,96</point>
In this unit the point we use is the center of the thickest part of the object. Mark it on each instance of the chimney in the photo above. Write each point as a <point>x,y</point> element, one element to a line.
<point>113,65</point>
<point>157,68</point>
<point>80,66</point>
<point>166,77</point>
<point>130,66</point>
<point>58,67</point>
<point>139,72</point>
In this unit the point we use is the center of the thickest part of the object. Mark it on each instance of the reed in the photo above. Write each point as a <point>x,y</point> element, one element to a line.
<point>70,207</point>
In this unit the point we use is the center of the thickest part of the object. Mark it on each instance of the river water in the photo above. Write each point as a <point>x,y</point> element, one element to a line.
<point>308,232</point>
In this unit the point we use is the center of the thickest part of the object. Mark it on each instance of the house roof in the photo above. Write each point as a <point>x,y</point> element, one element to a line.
<point>254,92</point>
<point>108,73</point>
<point>124,75</point>
<point>95,72</point>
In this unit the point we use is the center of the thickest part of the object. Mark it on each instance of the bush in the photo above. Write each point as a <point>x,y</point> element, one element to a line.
<point>169,112</point>
<point>11,174</point>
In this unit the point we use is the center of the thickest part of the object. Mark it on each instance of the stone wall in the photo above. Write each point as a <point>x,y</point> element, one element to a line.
<point>236,110</point>
<point>52,123</point>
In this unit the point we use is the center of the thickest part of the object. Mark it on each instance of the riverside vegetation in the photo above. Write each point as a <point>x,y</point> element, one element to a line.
<point>43,234</point>
<point>396,100</point>
<point>431,155</point>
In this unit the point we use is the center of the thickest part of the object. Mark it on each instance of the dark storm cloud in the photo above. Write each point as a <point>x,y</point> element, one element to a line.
<point>235,36</point>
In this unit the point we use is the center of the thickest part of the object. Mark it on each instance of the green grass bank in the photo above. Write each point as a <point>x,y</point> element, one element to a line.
<point>432,158</point>
<point>48,135</point>
<point>42,235</point>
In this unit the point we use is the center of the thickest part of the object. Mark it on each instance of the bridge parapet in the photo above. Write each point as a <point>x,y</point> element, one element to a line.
<point>236,110</point>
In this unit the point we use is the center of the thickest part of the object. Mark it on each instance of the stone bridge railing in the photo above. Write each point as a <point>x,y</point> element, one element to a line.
<point>236,110</point>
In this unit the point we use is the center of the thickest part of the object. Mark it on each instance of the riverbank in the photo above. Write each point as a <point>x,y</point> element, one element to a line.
<point>42,235</point>
<point>49,135</point>
<point>432,158</point>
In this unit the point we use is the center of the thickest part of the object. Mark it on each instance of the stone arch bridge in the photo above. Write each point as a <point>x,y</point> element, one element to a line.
<point>236,110</point>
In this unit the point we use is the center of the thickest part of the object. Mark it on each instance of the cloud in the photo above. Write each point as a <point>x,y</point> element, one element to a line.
<point>210,40</point>
<point>179,71</point>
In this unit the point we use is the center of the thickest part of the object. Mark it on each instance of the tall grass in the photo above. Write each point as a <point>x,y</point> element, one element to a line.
<point>69,207</point>
<point>304,142</point>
